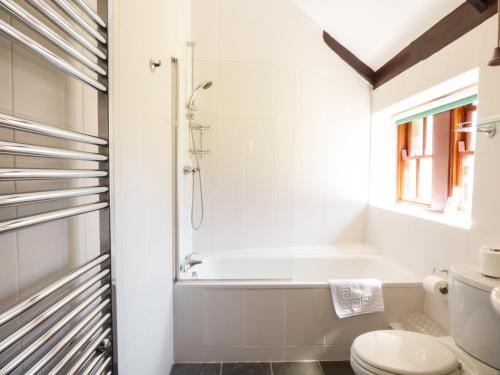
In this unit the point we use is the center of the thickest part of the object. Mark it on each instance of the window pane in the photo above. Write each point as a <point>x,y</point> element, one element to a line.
<point>467,179</point>
<point>429,130</point>
<point>410,180</point>
<point>417,137</point>
<point>425,181</point>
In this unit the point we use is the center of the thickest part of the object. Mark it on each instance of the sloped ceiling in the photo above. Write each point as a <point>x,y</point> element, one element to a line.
<point>376,30</point>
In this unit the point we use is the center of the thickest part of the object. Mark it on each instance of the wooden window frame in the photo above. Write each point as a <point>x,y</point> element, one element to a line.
<point>404,144</point>
<point>459,147</point>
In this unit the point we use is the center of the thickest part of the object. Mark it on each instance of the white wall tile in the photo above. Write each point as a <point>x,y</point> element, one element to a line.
<point>287,111</point>
<point>189,317</point>
<point>485,228</point>
<point>8,270</point>
<point>43,255</point>
<point>265,318</point>
<point>306,320</point>
<point>305,353</point>
<point>224,318</point>
<point>337,353</point>
<point>265,354</point>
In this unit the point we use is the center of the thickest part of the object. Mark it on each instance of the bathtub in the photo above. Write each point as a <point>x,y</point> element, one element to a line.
<point>275,304</point>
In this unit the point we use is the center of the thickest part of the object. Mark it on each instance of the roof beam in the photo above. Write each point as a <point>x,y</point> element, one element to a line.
<point>480,5</point>
<point>453,26</point>
<point>359,66</point>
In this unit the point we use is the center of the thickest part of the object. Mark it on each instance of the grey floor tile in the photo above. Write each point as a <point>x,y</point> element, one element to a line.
<point>337,368</point>
<point>196,369</point>
<point>297,368</point>
<point>246,368</point>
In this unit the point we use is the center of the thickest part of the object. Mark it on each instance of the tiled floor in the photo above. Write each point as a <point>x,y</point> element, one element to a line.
<point>267,368</point>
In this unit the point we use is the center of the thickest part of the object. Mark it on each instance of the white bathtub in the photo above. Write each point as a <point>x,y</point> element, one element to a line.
<point>299,265</point>
<point>275,305</point>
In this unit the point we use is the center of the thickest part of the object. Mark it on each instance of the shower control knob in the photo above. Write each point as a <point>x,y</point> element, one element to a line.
<point>190,170</point>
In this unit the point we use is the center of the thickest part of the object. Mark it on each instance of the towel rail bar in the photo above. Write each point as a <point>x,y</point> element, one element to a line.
<point>67,27</point>
<point>16,174</point>
<point>52,36</point>
<point>27,42</point>
<point>81,326</point>
<point>56,307</point>
<point>93,364</point>
<point>42,196</point>
<point>70,11</point>
<point>29,302</point>
<point>68,326</point>
<point>51,332</point>
<point>24,149</point>
<point>103,366</point>
<point>16,123</point>
<point>88,353</point>
<point>90,12</point>
<point>27,221</point>
<point>77,347</point>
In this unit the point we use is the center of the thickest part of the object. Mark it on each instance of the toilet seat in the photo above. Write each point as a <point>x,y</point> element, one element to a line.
<point>402,353</point>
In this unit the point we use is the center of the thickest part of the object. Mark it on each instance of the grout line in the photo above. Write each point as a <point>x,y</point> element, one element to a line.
<point>271,367</point>
<point>221,365</point>
<point>320,367</point>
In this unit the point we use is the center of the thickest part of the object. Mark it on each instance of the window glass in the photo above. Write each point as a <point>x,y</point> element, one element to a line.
<point>425,180</point>
<point>429,131</point>
<point>417,137</point>
<point>410,180</point>
<point>467,177</point>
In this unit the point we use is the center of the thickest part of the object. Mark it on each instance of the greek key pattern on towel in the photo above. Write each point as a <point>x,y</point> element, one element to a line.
<point>356,303</point>
<point>356,296</point>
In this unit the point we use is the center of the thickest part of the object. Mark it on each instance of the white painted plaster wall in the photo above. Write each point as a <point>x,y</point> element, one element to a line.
<point>418,243</point>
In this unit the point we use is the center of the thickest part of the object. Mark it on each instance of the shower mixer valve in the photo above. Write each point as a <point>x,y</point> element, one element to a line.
<point>190,170</point>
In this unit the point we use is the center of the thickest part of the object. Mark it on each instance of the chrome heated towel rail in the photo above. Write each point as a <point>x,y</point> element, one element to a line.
<point>68,326</point>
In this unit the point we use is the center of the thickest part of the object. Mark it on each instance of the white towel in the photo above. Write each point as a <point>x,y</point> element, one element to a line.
<point>356,296</point>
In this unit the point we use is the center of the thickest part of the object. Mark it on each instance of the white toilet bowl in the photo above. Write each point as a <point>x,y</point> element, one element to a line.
<point>410,353</point>
<point>472,349</point>
<point>402,353</point>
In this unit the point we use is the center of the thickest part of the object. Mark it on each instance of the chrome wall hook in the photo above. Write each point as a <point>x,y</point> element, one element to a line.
<point>154,64</point>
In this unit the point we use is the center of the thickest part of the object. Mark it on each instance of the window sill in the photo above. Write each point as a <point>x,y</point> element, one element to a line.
<point>459,219</point>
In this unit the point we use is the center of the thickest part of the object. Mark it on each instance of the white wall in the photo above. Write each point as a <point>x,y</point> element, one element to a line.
<point>285,113</point>
<point>415,242</point>
<point>141,111</point>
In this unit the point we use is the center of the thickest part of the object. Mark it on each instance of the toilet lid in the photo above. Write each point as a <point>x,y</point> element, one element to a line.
<point>404,352</point>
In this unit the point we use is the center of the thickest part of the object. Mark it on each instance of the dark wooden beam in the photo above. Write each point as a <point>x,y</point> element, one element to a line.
<point>480,5</point>
<point>359,66</point>
<point>450,28</point>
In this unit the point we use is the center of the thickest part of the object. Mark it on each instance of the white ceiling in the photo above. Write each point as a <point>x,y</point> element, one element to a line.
<point>376,30</point>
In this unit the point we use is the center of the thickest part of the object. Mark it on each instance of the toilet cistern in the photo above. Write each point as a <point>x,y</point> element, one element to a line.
<point>495,299</point>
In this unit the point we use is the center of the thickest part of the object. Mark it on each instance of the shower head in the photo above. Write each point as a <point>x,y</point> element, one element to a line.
<point>205,85</point>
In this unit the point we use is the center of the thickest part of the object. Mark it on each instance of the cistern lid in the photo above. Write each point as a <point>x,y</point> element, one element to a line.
<point>404,352</point>
<point>470,275</point>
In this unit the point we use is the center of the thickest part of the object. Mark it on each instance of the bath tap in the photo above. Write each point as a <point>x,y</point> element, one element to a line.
<point>189,262</point>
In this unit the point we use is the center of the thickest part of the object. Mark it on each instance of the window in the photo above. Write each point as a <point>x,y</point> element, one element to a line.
<point>436,162</point>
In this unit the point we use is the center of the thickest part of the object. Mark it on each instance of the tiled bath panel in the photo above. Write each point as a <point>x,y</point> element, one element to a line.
<point>234,324</point>
<point>264,368</point>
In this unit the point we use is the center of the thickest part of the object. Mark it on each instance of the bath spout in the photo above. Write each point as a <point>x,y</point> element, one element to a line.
<point>189,262</point>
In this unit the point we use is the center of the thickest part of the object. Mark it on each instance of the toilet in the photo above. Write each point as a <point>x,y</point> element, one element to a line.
<point>472,349</point>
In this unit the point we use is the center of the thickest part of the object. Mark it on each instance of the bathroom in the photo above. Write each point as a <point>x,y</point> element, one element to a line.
<point>191,186</point>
